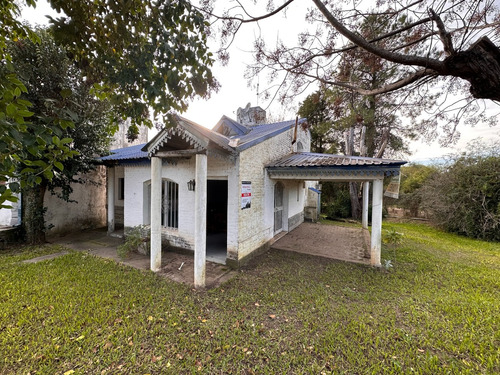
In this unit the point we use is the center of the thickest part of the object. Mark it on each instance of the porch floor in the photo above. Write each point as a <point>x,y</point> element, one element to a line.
<point>349,244</point>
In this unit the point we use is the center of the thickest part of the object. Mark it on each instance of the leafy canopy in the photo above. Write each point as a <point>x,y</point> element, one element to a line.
<point>137,54</point>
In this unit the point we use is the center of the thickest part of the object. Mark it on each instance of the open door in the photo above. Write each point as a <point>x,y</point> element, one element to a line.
<point>217,220</point>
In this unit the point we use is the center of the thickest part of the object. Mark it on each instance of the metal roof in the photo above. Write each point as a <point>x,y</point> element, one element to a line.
<point>259,133</point>
<point>309,159</point>
<point>126,153</point>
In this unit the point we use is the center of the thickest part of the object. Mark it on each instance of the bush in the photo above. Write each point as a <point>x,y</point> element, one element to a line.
<point>136,239</point>
<point>413,178</point>
<point>464,197</point>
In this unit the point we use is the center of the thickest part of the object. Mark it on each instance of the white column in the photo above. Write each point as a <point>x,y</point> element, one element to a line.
<point>111,199</point>
<point>366,198</point>
<point>200,221</point>
<point>155,213</point>
<point>376,238</point>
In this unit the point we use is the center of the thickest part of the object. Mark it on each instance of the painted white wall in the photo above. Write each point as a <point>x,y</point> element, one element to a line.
<point>138,176</point>
<point>10,216</point>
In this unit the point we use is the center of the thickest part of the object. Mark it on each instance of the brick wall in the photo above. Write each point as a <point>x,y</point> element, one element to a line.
<point>256,224</point>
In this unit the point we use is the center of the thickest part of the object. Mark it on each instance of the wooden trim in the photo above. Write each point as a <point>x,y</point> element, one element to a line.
<point>178,153</point>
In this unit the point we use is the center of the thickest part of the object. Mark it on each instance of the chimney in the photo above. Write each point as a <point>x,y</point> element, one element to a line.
<point>250,116</point>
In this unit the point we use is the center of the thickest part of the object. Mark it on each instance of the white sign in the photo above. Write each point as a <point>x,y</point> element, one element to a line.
<point>393,188</point>
<point>246,194</point>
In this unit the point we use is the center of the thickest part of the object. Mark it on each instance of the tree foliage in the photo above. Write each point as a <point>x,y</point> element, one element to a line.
<point>137,54</point>
<point>316,109</point>
<point>414,178</point>
<point>24,157</point>
<point>140,54</point>
<point>464,197</point>
<point>59,96</point>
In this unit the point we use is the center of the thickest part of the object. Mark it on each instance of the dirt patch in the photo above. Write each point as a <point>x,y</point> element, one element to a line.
<point>180,268</point>
<point>329,241</point>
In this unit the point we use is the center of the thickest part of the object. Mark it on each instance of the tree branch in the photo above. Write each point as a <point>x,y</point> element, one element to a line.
<point>398,58</point>
<point>443,34</point>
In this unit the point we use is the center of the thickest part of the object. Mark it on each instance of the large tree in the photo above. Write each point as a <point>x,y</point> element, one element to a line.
<point>56,89</point>
<point>448,43</point>
<point>139,54</point>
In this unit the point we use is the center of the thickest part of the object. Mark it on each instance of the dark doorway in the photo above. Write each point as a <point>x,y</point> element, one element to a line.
<point>217,220</point>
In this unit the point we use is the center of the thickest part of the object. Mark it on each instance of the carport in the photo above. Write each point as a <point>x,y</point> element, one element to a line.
<point>306,166</point>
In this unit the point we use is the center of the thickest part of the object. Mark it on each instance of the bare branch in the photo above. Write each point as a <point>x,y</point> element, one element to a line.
<point>443,34</point>
<point>398,58</point>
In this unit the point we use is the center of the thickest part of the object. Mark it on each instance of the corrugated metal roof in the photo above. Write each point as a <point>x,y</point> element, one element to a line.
<point>126,153</point>
<point>309,159</point>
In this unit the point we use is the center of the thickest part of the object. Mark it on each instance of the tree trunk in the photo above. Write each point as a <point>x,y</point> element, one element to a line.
<point>33,221</point>
<point>355,201</point>
<point>480,65</point>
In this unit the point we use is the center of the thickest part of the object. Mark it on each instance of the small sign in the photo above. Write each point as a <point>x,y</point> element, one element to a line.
<point>246,194</point>
<point>393,188</point>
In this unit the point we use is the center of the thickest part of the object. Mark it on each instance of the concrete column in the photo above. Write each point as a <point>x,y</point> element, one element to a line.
<point>111,198</point>
<point>376,238</point>
<point>155,213</point>
<point>200,221</point>
<point>366,199</point>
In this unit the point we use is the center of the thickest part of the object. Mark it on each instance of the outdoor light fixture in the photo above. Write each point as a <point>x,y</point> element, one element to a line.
<point>191,185</point>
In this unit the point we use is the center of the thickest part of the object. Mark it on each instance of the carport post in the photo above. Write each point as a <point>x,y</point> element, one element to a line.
<point>366,198</point>
<point>200,221</point>
<point>156,164</point>
<point>111,199</point>
<point>376,238</point>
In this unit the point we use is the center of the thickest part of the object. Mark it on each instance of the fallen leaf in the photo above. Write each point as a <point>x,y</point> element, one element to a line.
<point>421,350</point>
<point>107,345</point>
<point>257,304</point>
<point>80,338</point>
<point>69,372</point>
<point>150,318</point>
<point>272,316</point>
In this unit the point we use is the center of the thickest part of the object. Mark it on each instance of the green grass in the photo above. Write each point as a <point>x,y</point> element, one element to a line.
<point>436,311</point>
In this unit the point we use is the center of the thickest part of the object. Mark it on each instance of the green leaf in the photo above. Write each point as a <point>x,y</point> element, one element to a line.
<point>11,109</point>
<point>59,165</point>
<point>66,93</point>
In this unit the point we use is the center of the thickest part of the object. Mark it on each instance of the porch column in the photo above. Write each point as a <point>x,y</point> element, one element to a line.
<point>200,220</point>
<point>376,237</point>
<point>155,214</point>
<point>366,199</point>
<point>111,198</point>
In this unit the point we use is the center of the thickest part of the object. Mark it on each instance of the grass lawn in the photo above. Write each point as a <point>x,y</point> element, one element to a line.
<point>436,311</point>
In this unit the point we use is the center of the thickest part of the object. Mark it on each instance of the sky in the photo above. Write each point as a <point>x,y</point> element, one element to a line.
<point>235,92</point>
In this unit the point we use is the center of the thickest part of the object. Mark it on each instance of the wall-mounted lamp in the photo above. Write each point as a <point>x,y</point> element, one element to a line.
<point>191,185</point>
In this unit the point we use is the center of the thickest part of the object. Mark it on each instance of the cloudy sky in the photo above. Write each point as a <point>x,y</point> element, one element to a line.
<point>235,91</point>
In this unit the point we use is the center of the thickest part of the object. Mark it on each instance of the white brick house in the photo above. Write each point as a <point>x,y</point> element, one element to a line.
<point>231,189</point>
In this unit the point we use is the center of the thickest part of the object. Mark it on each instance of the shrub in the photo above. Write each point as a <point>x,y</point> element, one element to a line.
<point>136,239</point>
<point>464,197</point>
<point>413,178</point>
